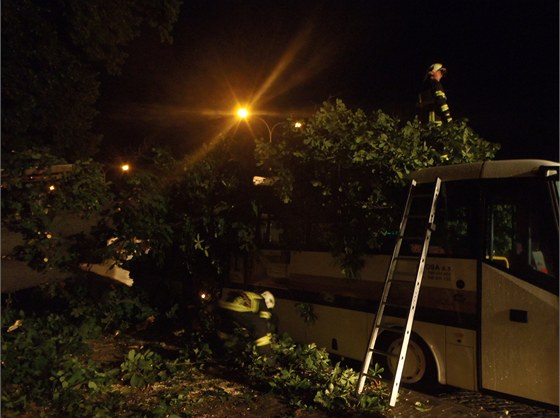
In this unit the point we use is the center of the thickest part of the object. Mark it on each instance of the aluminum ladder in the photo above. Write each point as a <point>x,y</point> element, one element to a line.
<point>420,209</point>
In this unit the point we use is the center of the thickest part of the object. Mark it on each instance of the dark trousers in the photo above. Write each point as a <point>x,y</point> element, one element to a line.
<point>255,325</point>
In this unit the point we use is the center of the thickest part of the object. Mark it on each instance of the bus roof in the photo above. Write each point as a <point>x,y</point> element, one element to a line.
<point>487,170</point>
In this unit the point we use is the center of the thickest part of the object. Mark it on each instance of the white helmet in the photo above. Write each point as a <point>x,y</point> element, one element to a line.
<point>437,67</point>
<point>268,299</point>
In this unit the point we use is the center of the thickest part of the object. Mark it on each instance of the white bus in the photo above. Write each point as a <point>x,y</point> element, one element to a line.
<point>487,316</point>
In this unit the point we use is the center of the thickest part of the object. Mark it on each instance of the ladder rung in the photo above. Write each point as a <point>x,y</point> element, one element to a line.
<point>413,238</point>
<point>396,305</point>
<point>391,329</point>
<point>403,281</point>
<point>383,353</point>
<point>371,376</point>
<point>418,216</point>
<point>405,273</point>
<point>406,258</point>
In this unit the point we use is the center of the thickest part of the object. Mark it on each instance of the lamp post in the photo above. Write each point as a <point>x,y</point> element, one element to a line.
<point>243,113</point>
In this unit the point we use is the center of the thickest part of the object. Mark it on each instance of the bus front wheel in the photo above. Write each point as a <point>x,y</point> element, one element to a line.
<point>419,367</point>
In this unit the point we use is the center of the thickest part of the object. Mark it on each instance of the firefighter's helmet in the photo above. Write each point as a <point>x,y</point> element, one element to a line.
<point>437,67</point>
<point>268,299</point>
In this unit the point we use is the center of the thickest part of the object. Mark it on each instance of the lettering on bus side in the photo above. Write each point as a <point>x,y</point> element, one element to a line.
<point>434,271</point>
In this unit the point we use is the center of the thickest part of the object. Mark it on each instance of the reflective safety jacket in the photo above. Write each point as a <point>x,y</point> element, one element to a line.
<point>248,310</point>
<point>242,301</point>
<point>432,103</point>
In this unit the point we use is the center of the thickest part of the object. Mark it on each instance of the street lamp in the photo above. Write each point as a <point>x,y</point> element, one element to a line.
<point>243,113</point>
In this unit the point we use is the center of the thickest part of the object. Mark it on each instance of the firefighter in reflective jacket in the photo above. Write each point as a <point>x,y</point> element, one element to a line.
<point>432,101</point>
<point>250,311</point>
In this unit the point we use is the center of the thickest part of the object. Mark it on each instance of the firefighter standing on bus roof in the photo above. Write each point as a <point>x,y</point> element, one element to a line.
<point>432,101</point>
<point>250,311</point>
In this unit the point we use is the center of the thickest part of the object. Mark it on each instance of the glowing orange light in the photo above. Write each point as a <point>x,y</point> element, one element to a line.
<point>125,167</point>
<point>298,125</point>
<point>242,113</point>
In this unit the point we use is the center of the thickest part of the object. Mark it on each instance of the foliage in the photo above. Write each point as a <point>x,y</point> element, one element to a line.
<point>46,338</point>
<point>46,363</point>
<point>211,210</point>
<point>30,352</point>
<point>45,356</point>
<point>307,377</point>
<point>75,376</point>
<point>65,218</point>
<point>53,55</point>
<point>50,210</point>
<point>305,311</point>
<point>142,368</point>
<point>138,213</point>
<point>343,172</point>
<point>157,219</point>
<point>113,309</point>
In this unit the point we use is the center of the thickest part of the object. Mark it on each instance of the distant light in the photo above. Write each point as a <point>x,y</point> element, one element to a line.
<point>242,113</point>
<point>125,167</point>
<point>52,188</point>
<point>298,125</point>
<point>205,296</point>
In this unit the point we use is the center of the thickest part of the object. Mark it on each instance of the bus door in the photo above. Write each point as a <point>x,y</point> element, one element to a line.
<point>519,292</point>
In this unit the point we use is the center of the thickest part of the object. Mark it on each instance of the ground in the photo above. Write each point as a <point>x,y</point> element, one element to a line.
<point>211,391</point>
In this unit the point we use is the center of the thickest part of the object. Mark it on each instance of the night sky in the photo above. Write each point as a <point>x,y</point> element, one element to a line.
<point>287,57</point>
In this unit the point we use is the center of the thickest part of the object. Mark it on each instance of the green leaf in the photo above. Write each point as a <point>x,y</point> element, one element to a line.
<point>136,380</point>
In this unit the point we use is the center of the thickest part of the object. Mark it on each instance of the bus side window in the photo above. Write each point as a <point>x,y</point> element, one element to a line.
<point>270,232</point>
<point>453,236</point>
<point>501,230</point>
<point>521,236</point>
<point>458,229</point>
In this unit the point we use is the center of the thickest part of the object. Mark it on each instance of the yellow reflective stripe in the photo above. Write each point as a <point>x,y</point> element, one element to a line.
<point>265,340</point>
<point>254,298</point>
<point>265,314</point>
<point>233,306</point>
<point>240,303</point>
<point>444,108</point>
<point>440,94</point>
<point>240,300</point>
